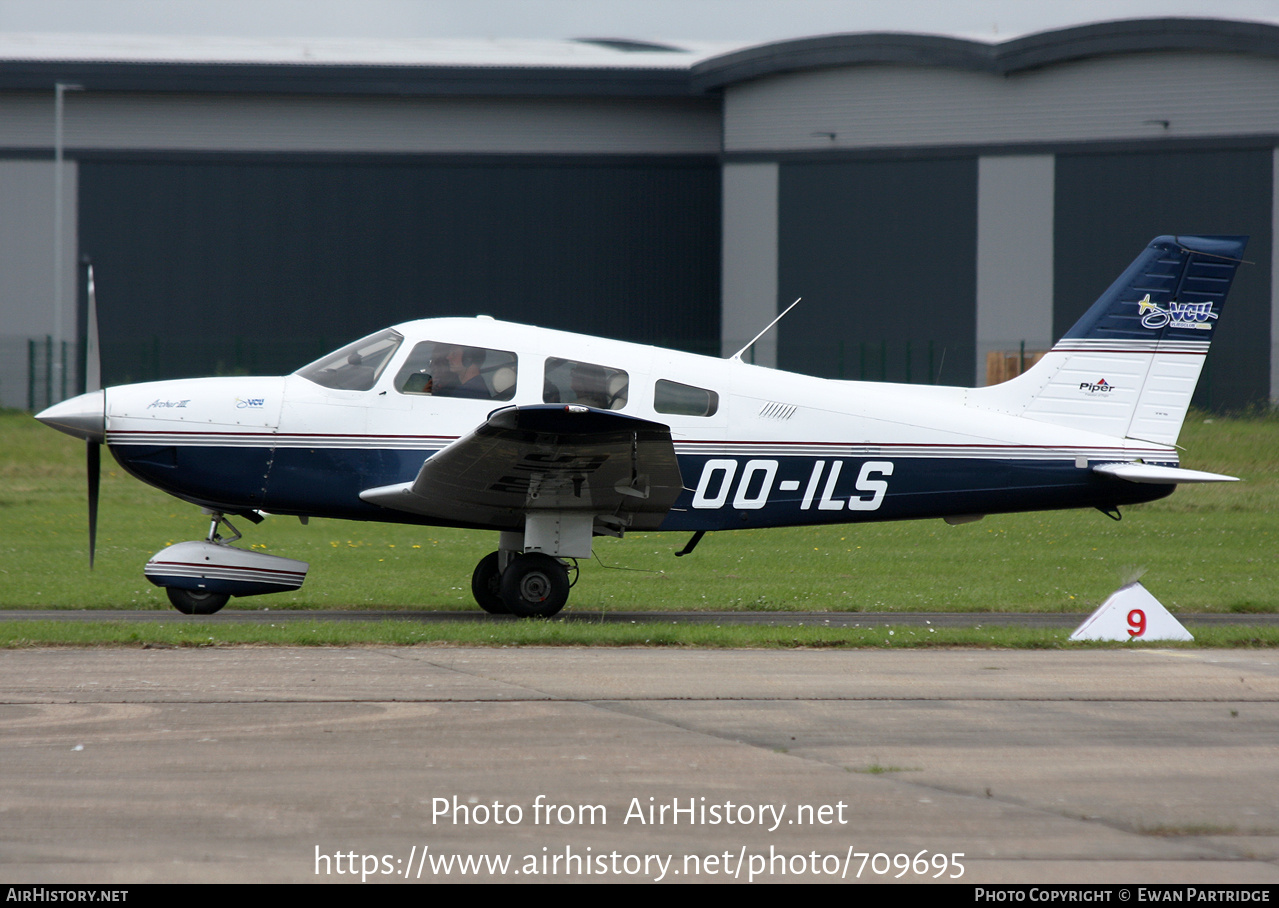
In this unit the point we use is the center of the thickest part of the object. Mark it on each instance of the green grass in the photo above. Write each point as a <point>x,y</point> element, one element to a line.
<point>1206,549</point>
<point>189,632</point>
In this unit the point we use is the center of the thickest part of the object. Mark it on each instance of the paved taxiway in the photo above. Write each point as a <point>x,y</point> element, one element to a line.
<point>237,764</point>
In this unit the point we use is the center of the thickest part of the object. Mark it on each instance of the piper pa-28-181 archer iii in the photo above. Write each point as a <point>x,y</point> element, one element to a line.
<point>551,438</point>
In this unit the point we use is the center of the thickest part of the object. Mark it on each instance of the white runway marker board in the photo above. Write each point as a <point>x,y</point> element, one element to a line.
<point>1131,613</point>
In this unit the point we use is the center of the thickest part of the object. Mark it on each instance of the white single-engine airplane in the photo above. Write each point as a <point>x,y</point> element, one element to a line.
<point>553,438</point>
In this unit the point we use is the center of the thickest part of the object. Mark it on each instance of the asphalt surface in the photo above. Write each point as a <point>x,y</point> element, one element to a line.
<point>257,764</point>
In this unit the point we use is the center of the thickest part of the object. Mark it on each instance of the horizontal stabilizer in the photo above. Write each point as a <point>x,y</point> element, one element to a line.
<point>1149,473</point>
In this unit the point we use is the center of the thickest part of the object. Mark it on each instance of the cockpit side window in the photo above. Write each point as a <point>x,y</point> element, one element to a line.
<point>441,369</point>
<point>357,366</point>
<point>568,381</point>
<point>684,400</point>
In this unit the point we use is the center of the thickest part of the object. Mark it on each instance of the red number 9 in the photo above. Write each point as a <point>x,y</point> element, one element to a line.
<point>1136,623</point>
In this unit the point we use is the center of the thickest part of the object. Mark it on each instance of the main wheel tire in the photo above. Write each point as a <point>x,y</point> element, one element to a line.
<point>196,602</point>
<point>534,586</point>
<point>486,585</point>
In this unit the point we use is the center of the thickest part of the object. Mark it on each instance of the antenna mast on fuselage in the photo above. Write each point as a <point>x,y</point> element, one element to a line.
<point>738,355</point>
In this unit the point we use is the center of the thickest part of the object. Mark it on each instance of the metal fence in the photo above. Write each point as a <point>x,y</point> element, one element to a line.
<point>921,362</point>
<point>36,372</point>
<point>156,358</point>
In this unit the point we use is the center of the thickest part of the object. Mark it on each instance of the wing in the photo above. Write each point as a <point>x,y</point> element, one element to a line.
<point>551,458</point>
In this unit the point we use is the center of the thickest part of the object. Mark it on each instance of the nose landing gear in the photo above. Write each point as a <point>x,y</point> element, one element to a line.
<point>196,602</point>
<point>200,577</point>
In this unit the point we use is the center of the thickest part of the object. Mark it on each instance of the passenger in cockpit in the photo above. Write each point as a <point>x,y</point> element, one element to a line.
<point>590,386</point>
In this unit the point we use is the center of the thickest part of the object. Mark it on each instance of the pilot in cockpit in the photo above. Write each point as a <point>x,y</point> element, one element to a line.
<point>455,372</point>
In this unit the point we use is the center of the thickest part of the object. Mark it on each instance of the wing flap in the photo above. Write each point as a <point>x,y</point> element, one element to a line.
<point>545,459</point>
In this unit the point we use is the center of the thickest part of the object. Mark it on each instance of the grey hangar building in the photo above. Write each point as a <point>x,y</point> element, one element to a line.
<point>247,206</point>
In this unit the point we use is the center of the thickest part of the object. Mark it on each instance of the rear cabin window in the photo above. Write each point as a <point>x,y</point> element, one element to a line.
<point>568,381</point>
<point>441,369</point>
<point>684,400</point>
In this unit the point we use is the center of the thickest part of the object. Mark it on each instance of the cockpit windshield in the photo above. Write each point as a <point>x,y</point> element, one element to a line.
<point>357,366</point>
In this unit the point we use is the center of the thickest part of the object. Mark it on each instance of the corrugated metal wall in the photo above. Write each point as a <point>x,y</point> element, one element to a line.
<point>1129,96</point>
<point>214,264</point>
<point>1110,205</point>
<point>877,213</point>
<point>884,254</point>
<point>362,125</point>
<point>243,232</point>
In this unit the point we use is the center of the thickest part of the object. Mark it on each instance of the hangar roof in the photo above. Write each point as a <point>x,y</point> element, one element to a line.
<point>607,52</point>
<point>586,67</point>
<point>1021,53</point>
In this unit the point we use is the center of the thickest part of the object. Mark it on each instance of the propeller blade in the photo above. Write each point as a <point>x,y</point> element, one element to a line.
<point>92,382</point>
<point>93,459</point>
<point>92,358</point>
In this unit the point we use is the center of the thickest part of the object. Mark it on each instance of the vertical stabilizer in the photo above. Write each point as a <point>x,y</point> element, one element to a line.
<point>1129,366</point>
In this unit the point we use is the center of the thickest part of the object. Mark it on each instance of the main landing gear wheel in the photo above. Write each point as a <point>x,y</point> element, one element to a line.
<point>196,602</point>
<point>534,586</point>
<point>486,585</point>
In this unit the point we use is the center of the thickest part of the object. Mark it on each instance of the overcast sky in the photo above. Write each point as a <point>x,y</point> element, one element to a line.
<point>745,21</point>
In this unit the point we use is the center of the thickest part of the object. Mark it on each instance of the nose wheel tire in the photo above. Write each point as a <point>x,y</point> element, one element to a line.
<point>486,585</point>
<point>196,602</point>
<point>534,586</point>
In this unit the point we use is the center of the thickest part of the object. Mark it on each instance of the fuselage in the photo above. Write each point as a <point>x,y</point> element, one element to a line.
<point>755,446</point>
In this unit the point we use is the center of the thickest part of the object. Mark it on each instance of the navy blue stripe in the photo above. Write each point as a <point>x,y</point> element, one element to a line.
<point>760,492</point>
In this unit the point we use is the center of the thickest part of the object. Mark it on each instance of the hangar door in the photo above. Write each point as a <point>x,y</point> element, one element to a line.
<point>208,265</point>
<point>1109,206</point>
<point>884,254</point>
